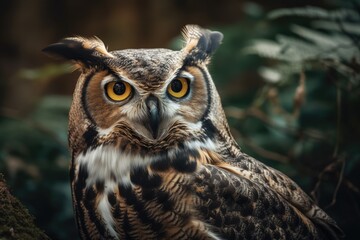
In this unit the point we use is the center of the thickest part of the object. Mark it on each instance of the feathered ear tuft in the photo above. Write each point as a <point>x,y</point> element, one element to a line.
<point>201,43</point>
<point>87,52</point>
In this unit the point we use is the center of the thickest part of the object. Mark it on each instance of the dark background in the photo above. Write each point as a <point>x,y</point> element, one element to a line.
<point>309,142</point>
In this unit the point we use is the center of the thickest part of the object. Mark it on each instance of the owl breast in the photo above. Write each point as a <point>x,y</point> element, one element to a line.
<point>119,195</point>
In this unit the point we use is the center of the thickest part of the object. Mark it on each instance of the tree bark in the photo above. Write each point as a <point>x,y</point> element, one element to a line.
<point>15,220</point>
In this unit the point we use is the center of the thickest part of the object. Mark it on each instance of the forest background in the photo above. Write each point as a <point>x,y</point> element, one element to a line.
<point>287,72</point>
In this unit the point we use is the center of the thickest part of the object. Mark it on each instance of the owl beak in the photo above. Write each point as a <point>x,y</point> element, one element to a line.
<point>152,104</point>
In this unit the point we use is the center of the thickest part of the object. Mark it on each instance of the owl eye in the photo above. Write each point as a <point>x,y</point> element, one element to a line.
<point>179,87</point>
<point>118,91</point>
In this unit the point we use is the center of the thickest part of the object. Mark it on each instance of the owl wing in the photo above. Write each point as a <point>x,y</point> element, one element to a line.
<point>237,200</point>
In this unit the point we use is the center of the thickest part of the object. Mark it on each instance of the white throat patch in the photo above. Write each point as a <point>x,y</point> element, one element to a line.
<point>105,162</point>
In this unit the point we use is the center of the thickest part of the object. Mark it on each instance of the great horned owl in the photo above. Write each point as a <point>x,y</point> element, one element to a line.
<point>153,157</point>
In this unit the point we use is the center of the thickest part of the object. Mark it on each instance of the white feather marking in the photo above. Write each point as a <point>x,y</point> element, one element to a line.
<point>104,209</point>
<point>170,108</point>
<point>208,144</point>
<point>213,236</point>
<point>106,161</point>
<point>105,131</point>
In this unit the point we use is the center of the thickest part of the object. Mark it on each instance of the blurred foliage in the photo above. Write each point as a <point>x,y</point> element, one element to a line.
<point>34,158</point>
<point>303,120</point>
<point>293,105</point>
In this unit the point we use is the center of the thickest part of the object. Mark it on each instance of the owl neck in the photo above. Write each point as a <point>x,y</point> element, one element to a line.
<point>212,135</point>
<point>108,162</point>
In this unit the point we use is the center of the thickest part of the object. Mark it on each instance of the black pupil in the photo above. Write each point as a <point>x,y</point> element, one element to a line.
<point>119,88</point>
<point>176,86</point>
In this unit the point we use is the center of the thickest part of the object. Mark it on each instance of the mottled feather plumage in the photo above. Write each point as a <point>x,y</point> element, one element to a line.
<point>157,167</point>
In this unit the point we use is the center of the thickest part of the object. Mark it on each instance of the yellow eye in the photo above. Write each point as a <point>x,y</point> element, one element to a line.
<point>178,87</point>
<point>118,91</point>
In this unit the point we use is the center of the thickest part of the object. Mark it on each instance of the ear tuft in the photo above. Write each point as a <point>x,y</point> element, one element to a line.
<point>88,52</point>
<point>201,41</point>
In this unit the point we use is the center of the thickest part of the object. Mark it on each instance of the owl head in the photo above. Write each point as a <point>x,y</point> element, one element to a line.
<point>144,99</point>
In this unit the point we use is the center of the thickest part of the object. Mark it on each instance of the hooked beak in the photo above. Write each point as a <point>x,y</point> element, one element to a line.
<point>152,104</point>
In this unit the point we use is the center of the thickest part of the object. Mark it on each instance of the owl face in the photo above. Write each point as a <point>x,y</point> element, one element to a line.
<point>150,92</point>
<point>150,98</point>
